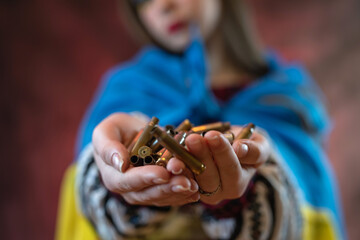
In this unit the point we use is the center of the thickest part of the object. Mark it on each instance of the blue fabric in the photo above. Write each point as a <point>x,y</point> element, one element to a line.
<point>286,103</point>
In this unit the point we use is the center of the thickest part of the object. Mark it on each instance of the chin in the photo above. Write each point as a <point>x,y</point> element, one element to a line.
<point>178,44</point>
<point>177,49</point>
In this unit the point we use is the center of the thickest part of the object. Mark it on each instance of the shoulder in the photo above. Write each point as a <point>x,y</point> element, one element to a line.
<point>287,72</point>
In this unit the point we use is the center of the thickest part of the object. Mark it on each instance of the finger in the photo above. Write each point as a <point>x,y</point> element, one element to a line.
<point>225,158</point>
<point>176,166</point>
<point>209,180</point>
<point>184,171</point>
<point>113,153</point>
<point>178,189</point>
<point>108,137</point>
<point>135,179</point>
<point>252,152</point>
<point>189,174</point>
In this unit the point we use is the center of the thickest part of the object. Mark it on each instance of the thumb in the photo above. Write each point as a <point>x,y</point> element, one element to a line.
<point>107,145</point>
<point>116,155</point>
<point>249,152</point>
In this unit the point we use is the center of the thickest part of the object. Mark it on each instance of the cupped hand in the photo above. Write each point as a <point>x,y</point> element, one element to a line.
<point>229,168</point>
<point>146,185</point>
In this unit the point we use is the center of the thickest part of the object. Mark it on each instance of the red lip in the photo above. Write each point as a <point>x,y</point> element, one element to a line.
<point>176,27</point>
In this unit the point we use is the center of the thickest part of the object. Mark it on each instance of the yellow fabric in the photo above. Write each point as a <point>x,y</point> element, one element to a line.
<point>317,225</point>
<point>70,223</point>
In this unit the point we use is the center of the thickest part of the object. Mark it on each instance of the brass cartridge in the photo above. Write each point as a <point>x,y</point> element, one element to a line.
<point>134,140</point>
<point>218,126</point>
<point>229,136</point>
<point>170,129</point>
<point>136,161</point>
<point>158,155</point>
<point>149,160</point>
<point>178,151</point>
<point>145,136</point>
<point>144,151</point>
<point>184,126</point>
<point>164,158</point>
<point>166,154</point>
<point>202,134</point>
<point>155,145</point>
<point>246,132</point>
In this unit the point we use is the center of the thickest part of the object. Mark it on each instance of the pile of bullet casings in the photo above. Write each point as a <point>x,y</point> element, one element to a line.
<point>152,145</point>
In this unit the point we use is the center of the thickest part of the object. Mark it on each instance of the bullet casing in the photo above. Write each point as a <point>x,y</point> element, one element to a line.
<point>149,160</point>
<point>167,155</point>
<point>134,140</point>
<point>217,126</point>
<point>156,146</point>
<point>160,155</point>
<point>170,129</point>
<point>246,132</point>
<point>145,136</point>
<point>184,126</point>
<point>136,161</point>
<point>178,151</point>
<point>144,151</point>
<point>229,136</point>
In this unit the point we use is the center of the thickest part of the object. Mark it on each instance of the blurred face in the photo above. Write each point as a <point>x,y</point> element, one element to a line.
<point>169,21</point>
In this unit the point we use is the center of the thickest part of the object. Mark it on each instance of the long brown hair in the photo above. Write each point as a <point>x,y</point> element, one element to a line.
<point>236,28</point>
<point>239,35</point>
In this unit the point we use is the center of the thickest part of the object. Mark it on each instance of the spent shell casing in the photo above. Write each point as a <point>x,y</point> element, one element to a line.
<point>144,151</point>
<point>160,154</point>
<point>134,140</point>
<point>166,154</point>
<point>246,132</point>
<point>178,151</point>
<point>184,126</point>
<point>164,158</point>
<point>145,136</point>
<point>229,136</point>
<point>149,160</point>
<point>156,146</point>
<point>169,128</point>
<point>136,161</point>
<point>202,134</point>
<point>180,137</point>
<point>217,126</point>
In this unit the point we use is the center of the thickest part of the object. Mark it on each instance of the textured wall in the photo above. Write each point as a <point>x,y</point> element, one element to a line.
<point>52,54</point>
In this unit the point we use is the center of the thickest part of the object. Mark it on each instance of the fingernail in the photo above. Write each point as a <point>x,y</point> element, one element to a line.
<point>214,140</point>
<point>242,150</point>
<point>179,188</point>
<point>117,162</point>
<point>177,172</point>
<point>159,181</point>
<point>194,186</point>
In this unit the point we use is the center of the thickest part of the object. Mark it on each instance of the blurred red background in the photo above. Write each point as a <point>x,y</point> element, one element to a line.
<point>53,53</point>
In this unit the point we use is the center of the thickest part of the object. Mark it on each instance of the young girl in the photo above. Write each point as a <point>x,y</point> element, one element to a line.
<point>204,64</point>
